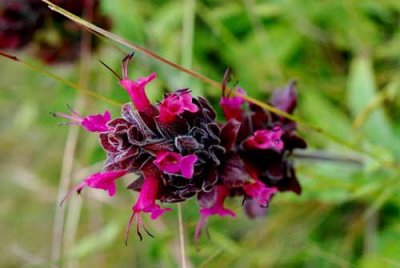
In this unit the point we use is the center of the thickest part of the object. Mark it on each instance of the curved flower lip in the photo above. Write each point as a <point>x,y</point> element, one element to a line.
<point>175,104</point>
<point>154,210</point>
<point>213,204</point>
<point>266,139</point>
<point>261,193</point>
<point>92,123</point>
<point>174,163</point>
<point>217,210</point>
<point>217,207</point>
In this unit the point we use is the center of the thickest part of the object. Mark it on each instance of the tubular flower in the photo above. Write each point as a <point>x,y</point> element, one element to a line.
<point>92,123</point>
<point>173,147</point>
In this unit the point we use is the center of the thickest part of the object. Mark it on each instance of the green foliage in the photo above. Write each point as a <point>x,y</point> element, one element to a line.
<point>345,58</point>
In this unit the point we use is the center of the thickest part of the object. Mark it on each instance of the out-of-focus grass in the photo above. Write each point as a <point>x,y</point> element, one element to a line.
<point>345,57</point>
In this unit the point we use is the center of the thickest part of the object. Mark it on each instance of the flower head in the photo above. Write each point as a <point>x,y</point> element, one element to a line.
<point>177,150</point>
<point>174,147</point>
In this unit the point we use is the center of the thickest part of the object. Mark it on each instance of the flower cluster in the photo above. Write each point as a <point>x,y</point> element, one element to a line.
<point>257,162</point>
<point>178,150</point>
<point>54,38</point>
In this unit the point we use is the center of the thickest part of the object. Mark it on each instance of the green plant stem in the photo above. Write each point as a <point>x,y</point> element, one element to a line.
<point>181,237</point>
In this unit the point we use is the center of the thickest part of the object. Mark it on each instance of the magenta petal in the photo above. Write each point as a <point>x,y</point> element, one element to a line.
<point>143,81</point>
<point>215,206</point>
<point>175,104</point>
<point>156,211</point>
<point>218,208</point>
<point>104,181</point>
<point>97,122</point>
<point>171,162</point>
<point>136,90</point>
<point>147,198</point>
<point>266,139</point>
<point>261,193</point>
<point>187,165</point>
<point>111,189</point>
<point>168,162</point>
<point>231,106</point>
<point>220,211</point>
<point>187,103</point>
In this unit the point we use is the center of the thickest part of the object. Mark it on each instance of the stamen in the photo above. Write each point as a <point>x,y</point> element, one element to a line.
<point>110,69</point>
<point>128,228</point>
<point>71,110</point>
<point>137,230</point>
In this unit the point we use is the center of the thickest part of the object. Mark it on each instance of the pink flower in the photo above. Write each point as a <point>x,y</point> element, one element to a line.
<point>175,163</point>
<point>213,204</point>
<point>266,139</point>
<point>103,180</point>
<point>231,106</point>
<point>92,123</point>
<point>136,90</point>
<point>261,193</point>
<point>100,180</point>
<point>146,203</point>
<point>175,104</point>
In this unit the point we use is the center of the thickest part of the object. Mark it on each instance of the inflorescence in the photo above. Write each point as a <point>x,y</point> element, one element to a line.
<point>178,150</point>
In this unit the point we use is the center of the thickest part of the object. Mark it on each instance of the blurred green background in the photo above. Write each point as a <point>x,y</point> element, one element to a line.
<point>345,56</point>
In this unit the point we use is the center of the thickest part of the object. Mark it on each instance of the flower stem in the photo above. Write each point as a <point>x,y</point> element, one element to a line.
<point>181,237</point>
<point>316,155</point>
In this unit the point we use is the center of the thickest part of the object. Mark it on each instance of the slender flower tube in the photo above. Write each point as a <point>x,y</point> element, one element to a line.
<point>91,123</point>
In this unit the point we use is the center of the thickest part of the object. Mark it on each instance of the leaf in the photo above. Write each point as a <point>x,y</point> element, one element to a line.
<point>321,112</point>
<point>361,92</point>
